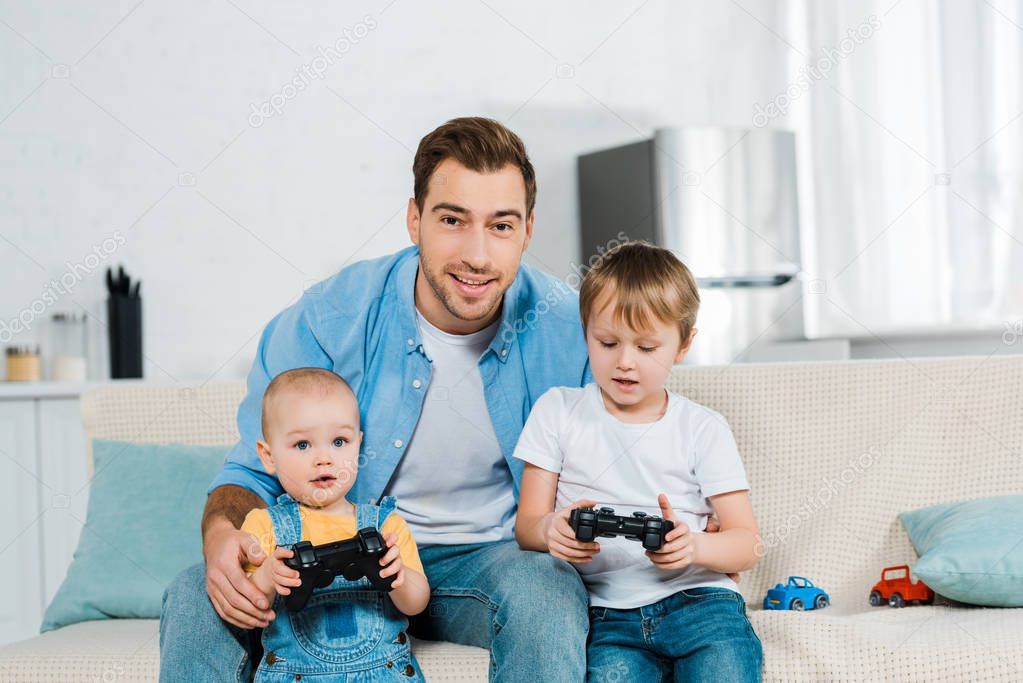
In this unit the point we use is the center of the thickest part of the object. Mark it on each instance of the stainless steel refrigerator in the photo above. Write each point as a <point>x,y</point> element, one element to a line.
<point>725,201</point>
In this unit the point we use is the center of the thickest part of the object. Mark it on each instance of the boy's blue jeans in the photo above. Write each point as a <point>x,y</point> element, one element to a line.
<point>699,634</point>
<point>527,607</point>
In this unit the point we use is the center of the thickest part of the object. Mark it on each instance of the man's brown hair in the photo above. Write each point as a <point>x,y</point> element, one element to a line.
<point>643,280</point>
<point>479,144</point>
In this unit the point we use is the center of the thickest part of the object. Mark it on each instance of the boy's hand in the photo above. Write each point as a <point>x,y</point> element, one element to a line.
<point>680,543</point>
<point>391,562</point>
<point>560,537</point>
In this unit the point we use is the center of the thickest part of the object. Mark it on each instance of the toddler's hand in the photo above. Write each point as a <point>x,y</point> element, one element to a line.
<point>284,577</point>
<point>391,562</point>
<point>679,547</point>
<point>560,537</point>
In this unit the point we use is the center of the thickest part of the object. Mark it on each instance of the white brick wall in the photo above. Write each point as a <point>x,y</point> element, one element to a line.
<point>113,111</point>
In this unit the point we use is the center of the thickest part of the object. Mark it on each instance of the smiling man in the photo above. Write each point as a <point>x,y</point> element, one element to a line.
<point>447,345</point>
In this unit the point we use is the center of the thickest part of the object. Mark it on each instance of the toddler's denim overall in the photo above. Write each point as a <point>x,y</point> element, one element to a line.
<point>348,632</point>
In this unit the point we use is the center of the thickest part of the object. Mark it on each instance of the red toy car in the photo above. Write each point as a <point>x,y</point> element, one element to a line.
<point>897,588</point>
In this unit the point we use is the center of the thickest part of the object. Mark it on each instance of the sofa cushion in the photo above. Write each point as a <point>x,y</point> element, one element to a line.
<point>141,530</point>
<point>920,643</point>
<point>971,551</point>
<point>129,650</point>
<point>911,644</point>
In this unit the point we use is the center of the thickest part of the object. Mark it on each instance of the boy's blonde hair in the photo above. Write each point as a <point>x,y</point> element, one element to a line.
<point>644,280</point>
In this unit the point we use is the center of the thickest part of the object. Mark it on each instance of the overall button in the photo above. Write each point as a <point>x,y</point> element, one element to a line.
<point>402,638</point>
<point>410,670</point>
<point>390,664</point>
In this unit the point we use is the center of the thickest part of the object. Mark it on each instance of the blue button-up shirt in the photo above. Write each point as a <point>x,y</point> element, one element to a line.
<point>361,324</point>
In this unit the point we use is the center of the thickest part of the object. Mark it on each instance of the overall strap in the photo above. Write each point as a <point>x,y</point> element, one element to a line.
<point>367,515</point>
<point>386,507</point>
<point>286,521</point>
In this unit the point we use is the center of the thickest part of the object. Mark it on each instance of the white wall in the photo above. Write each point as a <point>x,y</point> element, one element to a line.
<point>109,114</point>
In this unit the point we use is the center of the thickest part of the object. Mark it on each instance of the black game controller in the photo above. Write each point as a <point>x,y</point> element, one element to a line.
<point>318,565</point>
<point>647,529</point>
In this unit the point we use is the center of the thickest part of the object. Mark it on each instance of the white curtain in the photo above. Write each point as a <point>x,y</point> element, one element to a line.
<point>911,156</point>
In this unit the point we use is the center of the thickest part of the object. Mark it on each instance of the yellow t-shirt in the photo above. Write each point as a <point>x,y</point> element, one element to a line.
<point>322,527</point>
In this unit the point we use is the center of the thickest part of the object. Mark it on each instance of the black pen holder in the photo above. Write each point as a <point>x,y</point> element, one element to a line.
<point>124,326</point>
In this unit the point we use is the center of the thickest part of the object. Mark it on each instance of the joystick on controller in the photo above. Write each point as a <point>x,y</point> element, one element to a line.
<point>647,529</point>
<point>354,558</point>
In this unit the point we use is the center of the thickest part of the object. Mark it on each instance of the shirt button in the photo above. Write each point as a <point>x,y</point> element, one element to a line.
<point>402,638</point>
<point>410,341</point>
<point>390,664</point>
<point>409,671</point>
<point>397,443</point>
<point>416,383</point>
<point>504,352</point>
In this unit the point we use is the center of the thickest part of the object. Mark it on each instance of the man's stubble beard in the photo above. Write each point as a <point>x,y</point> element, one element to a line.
<point>446,298</point>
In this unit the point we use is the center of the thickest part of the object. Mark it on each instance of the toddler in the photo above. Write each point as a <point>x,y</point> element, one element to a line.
<point>348,630</point>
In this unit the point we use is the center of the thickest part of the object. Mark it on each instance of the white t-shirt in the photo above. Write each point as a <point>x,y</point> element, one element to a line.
<point>689,454</point>
<point>453,484</point>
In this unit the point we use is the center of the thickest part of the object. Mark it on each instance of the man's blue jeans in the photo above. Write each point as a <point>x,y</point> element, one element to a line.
<point>527,607</point>
<point>699,634</point>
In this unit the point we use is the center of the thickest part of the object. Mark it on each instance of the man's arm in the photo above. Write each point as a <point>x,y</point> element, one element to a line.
<point>225,548</point>
<point>229,503</point>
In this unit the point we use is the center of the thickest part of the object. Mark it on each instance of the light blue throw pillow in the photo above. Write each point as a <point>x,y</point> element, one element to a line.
<point>141,530</point>
<point>971,551</point>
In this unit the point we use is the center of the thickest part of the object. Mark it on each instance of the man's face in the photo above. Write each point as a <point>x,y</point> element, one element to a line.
<point>471,233</point>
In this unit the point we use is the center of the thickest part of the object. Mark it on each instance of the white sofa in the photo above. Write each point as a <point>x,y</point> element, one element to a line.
<point>834,452</point>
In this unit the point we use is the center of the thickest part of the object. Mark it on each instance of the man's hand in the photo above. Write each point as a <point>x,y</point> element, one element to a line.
<point>560,537</point>
<point>235,597</point>
<point>680,544</point>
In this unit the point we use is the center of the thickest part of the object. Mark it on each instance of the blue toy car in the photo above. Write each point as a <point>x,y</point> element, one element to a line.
<point>798,594</point>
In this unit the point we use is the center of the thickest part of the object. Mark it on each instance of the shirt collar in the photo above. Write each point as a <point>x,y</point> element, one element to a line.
<point>412,339</point>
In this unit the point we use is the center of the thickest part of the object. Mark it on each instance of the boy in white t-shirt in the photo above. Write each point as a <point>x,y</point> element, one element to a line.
<point>626,442</point>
